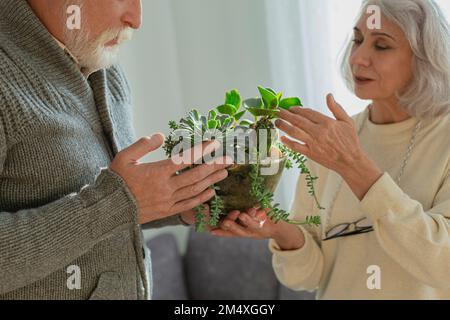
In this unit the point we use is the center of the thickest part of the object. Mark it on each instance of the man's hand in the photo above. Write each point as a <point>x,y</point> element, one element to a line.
<point>158,188</point>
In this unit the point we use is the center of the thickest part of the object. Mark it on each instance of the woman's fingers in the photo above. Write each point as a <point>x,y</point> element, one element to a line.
<point>337,110</point>
<point>233,215</point>
<point>252,212</point>
<point>234,228</point>
<point>295,146</point>
<point>311,115</point>
<point>293,131</point>
<point>261,215</point>
<point>298,121</point>
<point>251,222</point>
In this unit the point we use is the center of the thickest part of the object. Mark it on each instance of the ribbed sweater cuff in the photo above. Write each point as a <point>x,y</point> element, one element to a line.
<point>110,202</point>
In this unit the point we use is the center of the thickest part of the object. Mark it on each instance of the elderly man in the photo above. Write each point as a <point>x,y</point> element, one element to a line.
<point>73,192</point>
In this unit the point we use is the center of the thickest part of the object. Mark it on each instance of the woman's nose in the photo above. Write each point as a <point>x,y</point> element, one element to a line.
<point>133,15</point>
<point>360,57</point>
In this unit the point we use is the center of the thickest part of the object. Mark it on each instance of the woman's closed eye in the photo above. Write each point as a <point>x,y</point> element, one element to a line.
<point>377,45</point>
<point>381,46</point>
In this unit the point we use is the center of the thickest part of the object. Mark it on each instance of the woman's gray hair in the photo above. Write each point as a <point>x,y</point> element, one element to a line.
<point>428,32</point>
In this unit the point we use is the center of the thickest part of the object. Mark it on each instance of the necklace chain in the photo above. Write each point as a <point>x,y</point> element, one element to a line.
<point>402,169</point>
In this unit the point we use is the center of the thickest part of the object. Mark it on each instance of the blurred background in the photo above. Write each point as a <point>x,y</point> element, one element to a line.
<point>190,52</point>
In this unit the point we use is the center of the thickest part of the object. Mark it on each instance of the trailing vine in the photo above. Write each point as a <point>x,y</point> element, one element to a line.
<point>216,211</point>
<point>300,160</point>
<point>200,218</point>
<point>265,200</point>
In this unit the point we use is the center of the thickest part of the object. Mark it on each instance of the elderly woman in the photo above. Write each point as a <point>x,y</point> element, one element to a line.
<point>384,175</point>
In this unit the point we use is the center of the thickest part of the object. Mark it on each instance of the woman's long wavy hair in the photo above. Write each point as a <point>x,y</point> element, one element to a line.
<point>428,32</point>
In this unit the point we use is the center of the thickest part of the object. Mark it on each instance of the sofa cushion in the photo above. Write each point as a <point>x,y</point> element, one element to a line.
<point>167,265</point>
<point>229,269</point>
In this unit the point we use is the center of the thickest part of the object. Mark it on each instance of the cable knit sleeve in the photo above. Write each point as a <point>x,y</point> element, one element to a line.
<point>300,269</point>
<point>416,239</point>
<point>36,242</point>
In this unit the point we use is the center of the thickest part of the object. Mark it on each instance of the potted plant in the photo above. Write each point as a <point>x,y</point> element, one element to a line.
<point>259,157</point>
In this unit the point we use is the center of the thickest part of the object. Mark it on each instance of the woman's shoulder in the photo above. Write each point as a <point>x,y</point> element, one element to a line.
<point>436,135</point>
<point>438,128</point>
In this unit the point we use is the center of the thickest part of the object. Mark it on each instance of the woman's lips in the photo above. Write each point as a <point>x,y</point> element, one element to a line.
<point>360,81</point>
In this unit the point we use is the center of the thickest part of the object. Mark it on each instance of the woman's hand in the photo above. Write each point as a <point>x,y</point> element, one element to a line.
<point>255,225</point>
<point>188,217</point>
<point>332,143</point>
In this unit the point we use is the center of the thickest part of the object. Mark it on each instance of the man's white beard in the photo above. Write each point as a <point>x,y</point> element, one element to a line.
<point>92,55</point>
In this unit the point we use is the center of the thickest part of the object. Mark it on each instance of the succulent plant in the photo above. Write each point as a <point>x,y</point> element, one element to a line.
<point>228,125</point>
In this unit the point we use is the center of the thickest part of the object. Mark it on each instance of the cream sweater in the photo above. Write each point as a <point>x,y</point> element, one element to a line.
<point>411,240</point>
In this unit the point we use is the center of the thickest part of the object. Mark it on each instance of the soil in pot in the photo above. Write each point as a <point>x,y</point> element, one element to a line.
<point>235,189</point>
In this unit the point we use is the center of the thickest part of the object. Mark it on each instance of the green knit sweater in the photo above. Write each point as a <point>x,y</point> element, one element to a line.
<point>59,204</point>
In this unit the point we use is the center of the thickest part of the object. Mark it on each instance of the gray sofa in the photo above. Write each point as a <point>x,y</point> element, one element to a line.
<point>216,269</point>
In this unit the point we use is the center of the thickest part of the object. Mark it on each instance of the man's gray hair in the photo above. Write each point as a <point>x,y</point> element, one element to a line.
<point>428,32</point>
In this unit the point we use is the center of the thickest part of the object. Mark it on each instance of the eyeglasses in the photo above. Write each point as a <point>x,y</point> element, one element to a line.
<point>348,229</point>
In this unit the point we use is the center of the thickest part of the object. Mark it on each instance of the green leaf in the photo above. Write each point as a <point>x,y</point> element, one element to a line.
<point>271,90</point>
<point>173,125</point>
<point>227,122</point>
<point>253,103</point>
<point>246,123</point>
<point>239,115</point>
<point>212,124</point>
<point>288,103</point>
<point>228,109</point>
<point>196,114</point>
<point>269,98</point>
<point>273,104</point>
<point>212,115</point>
<point>257,112</point>
<point>233,98</point>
